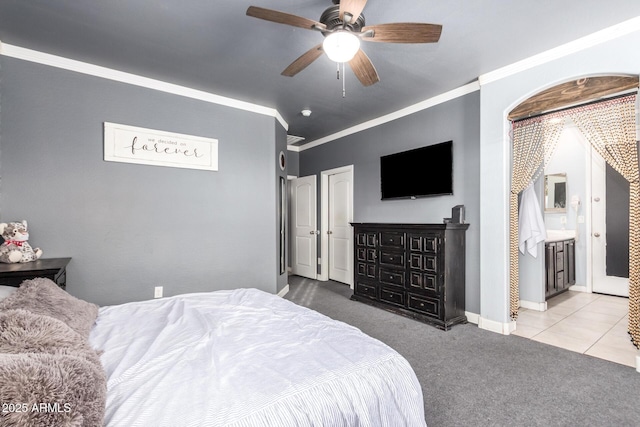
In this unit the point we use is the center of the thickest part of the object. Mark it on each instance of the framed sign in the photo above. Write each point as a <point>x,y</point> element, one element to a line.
<point>129,144</point>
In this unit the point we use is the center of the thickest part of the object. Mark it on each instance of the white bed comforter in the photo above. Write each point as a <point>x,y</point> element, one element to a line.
<point>247,358</point>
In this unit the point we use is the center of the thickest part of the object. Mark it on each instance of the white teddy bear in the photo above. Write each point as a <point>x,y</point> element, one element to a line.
<point>15,247</point>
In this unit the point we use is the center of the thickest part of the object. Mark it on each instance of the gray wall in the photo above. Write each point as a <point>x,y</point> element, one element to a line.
<point>293,163</point>
<point>131,227</point>
<point>280,146</point>
<point>457,120</point>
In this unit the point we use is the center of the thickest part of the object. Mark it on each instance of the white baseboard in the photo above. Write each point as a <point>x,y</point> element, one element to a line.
<point>530,305</point>
<point>578,288</point>
<point>472,317</point>
<point>638,361</point>
<point>284,291</point>
<point>497,327</point>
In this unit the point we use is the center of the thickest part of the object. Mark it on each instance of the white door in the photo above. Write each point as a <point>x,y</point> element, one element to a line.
<point>602,283</point>
<point>339,231</point>
<point>304,224</point>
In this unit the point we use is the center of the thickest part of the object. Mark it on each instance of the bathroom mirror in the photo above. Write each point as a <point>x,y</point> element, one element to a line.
<point>555,192</point>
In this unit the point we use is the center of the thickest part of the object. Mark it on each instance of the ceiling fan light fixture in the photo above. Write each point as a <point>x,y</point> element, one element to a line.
<point>341,46</point>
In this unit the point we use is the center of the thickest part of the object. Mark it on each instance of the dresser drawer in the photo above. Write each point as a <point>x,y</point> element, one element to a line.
<point>392,240</point>
<point>366,255</point>
<point>366,239</point>
<point>391,296</point>
<point>365,290</point>
<point>422,262</point>
<point>396,259</point>
<point>423,282</point>
<point>366,270</point>
<point>392,277</point>
<point>426,305</point>
<point>421,243</point>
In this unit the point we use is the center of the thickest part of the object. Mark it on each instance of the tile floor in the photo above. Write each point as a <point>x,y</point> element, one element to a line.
<point>586,323</point>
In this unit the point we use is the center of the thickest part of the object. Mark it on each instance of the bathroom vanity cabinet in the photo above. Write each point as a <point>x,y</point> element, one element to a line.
<point>560,266</point>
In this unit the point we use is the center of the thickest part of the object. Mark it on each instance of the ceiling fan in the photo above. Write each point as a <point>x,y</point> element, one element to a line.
<point>343,26</point>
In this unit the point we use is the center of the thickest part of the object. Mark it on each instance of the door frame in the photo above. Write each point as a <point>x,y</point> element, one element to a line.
<point>324,218</point>
<point>586,205</point>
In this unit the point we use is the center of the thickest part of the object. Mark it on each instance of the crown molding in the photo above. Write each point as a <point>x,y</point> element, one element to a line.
<point>133,79</point>
<point>626,27</point>
<point>431,102</point>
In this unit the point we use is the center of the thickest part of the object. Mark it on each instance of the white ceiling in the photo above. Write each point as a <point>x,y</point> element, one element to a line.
<point>211,45</point>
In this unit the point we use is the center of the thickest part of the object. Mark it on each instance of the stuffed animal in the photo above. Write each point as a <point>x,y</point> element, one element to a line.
<point>15,247</point>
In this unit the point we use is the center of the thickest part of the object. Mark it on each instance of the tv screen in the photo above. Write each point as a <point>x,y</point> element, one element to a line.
<point>421,172</point>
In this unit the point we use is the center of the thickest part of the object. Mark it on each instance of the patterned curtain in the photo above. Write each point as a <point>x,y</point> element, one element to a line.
<point>533,143</point>
<point>610,127</point>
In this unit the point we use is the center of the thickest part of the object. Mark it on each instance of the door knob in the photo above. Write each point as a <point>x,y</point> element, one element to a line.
<point>596,234</point>
<point>329,232</point>
<point>596,199</point>
<point>314,232</point>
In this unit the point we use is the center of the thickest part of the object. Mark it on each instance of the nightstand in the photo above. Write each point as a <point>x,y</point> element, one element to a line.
<point>51,268</point>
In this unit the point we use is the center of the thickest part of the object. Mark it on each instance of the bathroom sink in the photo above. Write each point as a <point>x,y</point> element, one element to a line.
<point>556,235</point>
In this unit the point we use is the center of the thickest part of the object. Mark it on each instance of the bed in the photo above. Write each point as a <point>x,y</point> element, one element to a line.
<point>242,358</point>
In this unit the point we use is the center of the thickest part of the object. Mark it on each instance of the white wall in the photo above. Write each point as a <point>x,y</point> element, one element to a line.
<point>498,97</point>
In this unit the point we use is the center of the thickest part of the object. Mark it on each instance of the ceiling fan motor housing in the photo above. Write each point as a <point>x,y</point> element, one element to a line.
<point>331,18</point>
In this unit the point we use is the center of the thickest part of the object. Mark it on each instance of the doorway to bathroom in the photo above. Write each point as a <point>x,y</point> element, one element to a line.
<point>587,200</point>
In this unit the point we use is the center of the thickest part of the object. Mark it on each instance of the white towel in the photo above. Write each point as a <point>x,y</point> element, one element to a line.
<point>530,222</point>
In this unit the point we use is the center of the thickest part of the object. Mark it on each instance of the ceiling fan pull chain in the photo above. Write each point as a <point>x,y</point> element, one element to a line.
<point>338,70</point>
<point>344,90</point>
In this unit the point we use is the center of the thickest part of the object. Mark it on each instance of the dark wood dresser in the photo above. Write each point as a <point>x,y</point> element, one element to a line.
<point>51,268</point>
<point>416,270</point>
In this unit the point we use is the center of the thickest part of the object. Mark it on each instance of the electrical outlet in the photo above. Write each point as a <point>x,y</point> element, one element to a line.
<point>157,292</point>
<point>563,219</point>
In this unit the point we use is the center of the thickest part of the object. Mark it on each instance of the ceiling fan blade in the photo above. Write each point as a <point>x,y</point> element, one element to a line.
<point>364,69</point>
<point>354,7</point>
<point>303,61</point>
<point>404,33</point>
<point>284,18</point>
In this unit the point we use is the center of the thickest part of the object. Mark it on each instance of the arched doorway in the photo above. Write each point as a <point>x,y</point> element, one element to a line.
<point>533,134</point>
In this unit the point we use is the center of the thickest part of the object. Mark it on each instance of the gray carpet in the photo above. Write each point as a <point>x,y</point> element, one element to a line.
<point>473,377</point>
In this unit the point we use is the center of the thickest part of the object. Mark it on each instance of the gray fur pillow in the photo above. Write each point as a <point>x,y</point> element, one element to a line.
<point>22,331</point>
<point>43,296</point>
<point>51,390</point>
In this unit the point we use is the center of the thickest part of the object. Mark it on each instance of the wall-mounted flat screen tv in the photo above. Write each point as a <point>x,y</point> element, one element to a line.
<point>421,172</point>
